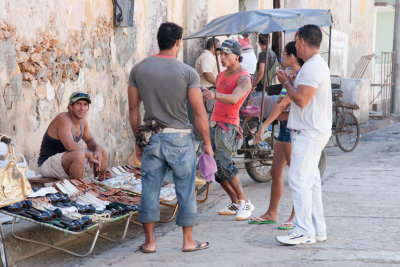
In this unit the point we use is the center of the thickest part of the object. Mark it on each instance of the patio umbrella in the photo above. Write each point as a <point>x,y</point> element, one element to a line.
<point>264,21</point>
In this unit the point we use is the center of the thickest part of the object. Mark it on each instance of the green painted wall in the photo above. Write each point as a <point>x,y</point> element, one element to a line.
<point>384,32</point>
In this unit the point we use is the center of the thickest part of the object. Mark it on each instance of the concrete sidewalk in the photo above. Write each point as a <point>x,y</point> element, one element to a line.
<point>361,196</point>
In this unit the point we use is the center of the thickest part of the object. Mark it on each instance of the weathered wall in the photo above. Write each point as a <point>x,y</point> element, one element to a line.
<point>52,48</point>
<point>48,49</point>
<point>198,14</point>
<point>352,32</point>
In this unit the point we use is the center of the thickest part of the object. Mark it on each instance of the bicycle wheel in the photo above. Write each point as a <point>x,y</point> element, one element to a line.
<point>260,163</point>
<point>347,131</point>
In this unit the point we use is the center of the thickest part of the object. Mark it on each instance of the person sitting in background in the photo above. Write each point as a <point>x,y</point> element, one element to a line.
<point>60,155</point>
<point>249,61</point>
<point>273,64</point>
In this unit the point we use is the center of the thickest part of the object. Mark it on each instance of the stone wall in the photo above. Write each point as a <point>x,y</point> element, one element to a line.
<point>48,49</point>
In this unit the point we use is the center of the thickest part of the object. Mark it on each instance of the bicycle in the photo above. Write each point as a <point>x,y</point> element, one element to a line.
<point>345,128</point>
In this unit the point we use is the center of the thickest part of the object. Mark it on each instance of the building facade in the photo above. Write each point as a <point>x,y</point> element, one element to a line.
<point>48,49</point>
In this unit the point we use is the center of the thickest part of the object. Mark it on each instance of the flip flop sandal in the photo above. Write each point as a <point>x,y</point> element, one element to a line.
<point>198,247</point>
<point>126,168</point>
<point>58,213</point>
<point>41,217</point>
<point>16,207</point>
<point>116,171</point>
<point>285,226</point>
<point>258,220</point>
<point>86,220</point>
<point>143,250</point>
<point>26,204</point>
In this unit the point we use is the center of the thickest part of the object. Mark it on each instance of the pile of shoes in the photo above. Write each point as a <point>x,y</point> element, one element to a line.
<point>130,182</point>
<point>105,193</point>
<point>121,170</point>
<point>83,198</point>
<point>61,211</point>
<point>54,216</point>
<point>117,171</point>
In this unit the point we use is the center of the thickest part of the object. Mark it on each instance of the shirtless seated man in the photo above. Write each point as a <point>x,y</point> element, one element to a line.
<point>60,155</point>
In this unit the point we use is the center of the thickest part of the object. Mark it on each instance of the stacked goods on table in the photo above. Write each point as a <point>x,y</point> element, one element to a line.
<point>128,178</point>
<point>76,205</point>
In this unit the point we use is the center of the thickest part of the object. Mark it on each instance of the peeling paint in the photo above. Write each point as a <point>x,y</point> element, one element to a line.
<point>98,102</point>
<point>50,92</point>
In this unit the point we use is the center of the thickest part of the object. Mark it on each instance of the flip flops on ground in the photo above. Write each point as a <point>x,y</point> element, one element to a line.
<point>142,249</point>
<point>258,220</point>
<point>285,226</point>
<point>200,246</point>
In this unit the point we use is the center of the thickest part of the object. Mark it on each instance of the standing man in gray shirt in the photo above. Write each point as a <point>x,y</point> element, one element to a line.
<point>165,85</point>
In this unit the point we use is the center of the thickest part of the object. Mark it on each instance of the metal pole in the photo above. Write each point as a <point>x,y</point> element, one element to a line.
<point>330,41</point>
<point>396,69</point>
<point>216,54</point>
<point>266,82</point>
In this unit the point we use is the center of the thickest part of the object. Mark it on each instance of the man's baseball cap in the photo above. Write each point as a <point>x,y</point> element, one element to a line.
<point>78,95</point>
<point>231,46</point>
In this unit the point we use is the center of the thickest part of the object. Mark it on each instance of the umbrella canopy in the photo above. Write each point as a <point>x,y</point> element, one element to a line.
<point>264,21</point>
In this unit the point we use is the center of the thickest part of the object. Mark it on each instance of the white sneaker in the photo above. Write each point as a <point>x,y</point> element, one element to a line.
<point>230,209</point>
<point>245,209</point>
<point>296,239</point>
<point>321,238</point>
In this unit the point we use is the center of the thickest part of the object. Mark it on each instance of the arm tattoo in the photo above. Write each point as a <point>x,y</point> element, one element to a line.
<point>244,83</point>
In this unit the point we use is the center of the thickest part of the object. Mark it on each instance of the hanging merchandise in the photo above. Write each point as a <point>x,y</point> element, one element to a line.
<point>14,187</point>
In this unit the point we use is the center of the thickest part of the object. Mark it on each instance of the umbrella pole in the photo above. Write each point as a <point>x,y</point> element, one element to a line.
<point>266,80</point>
<point>216,54</point>
<point>329,53</point>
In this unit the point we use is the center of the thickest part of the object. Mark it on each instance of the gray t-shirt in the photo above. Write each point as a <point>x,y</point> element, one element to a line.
<point>163,84</point>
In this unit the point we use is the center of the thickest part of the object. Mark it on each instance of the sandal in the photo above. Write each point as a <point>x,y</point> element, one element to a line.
<point>198,247</point>
<point>143,250</point>
<point>285,226</point>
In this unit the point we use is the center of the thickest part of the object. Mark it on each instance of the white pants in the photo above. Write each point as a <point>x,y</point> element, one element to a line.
<point>305,181</point>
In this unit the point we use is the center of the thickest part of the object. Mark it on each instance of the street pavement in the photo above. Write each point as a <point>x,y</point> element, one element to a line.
<point>361,200</point>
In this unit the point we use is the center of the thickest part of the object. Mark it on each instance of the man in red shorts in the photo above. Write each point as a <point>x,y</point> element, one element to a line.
<point>233,86</point>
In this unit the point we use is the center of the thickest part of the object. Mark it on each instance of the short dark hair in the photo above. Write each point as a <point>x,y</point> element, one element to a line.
<point>209,43</point>
<point>311,34</point>
<point>290,49</point>
<point>263,38</point>
<point>168,34</point>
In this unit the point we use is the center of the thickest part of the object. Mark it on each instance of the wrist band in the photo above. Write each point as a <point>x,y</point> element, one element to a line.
<point>284,84</point>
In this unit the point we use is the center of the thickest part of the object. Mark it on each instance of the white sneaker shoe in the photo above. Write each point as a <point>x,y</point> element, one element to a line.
<point>230,209</point>
<point>245,209</point>
<point>321,238</point>
<point>296,239</point>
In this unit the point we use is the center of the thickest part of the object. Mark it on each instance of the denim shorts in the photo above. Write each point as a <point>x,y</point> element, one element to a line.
<point>284,132</point>
<point>224,145</point>
<point>166,151</point>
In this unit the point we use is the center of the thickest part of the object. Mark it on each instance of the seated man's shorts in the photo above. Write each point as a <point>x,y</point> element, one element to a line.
<point>224,145</point>
<point>52,167</point>
<point>284,132</point>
